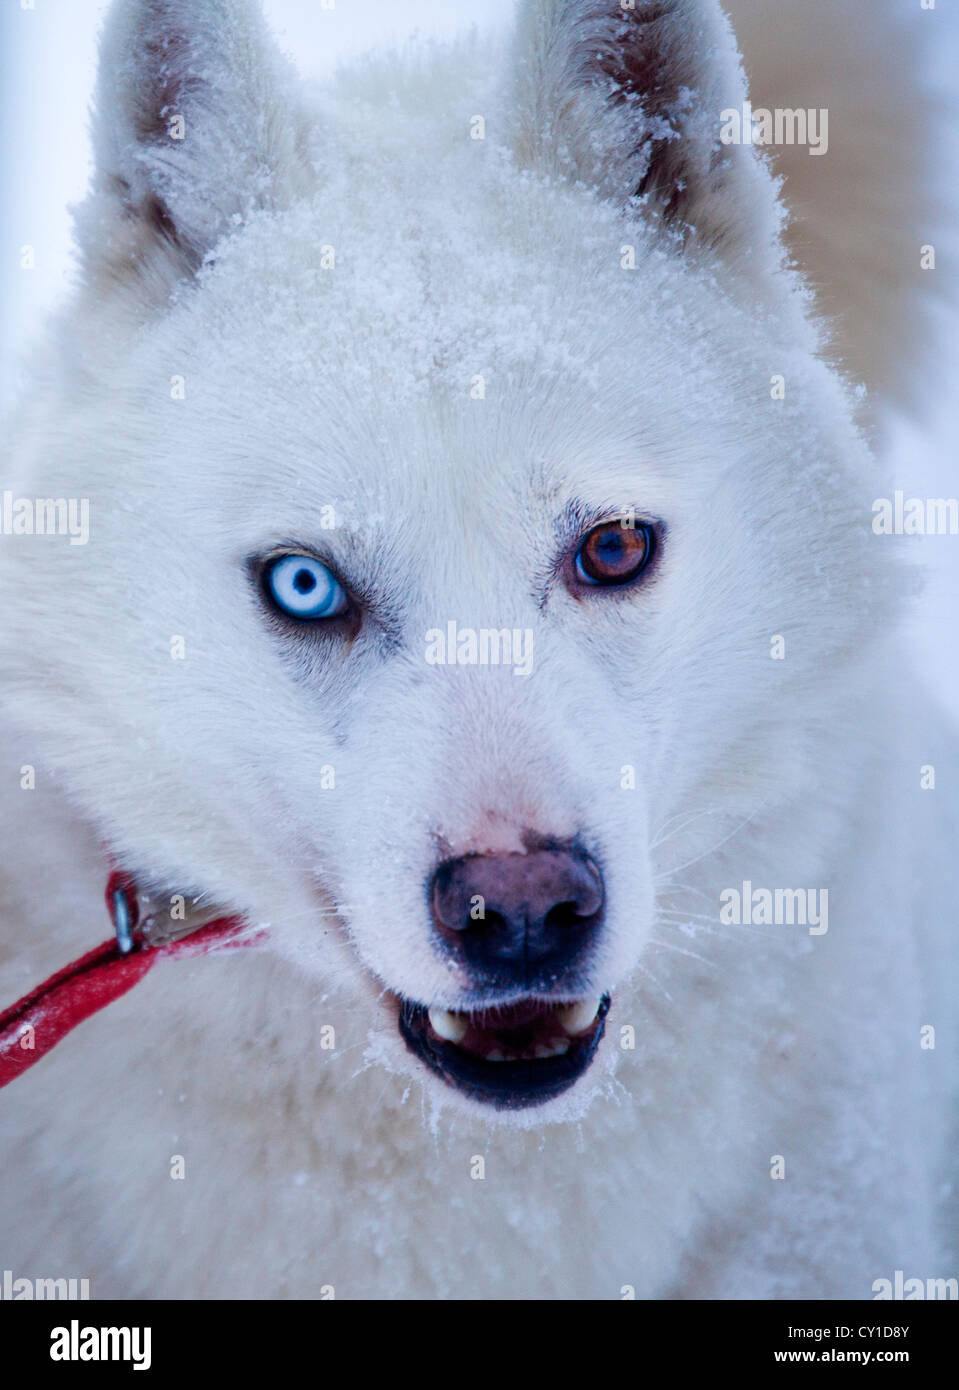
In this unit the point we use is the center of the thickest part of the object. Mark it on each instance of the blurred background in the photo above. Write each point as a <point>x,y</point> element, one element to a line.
<point>47,69</point>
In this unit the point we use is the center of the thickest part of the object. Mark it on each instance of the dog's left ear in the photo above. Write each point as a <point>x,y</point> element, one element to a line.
<point>195,124</point>
<point>630,97</point>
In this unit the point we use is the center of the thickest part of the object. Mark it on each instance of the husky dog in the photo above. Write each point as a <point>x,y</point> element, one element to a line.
<point>481,599</point>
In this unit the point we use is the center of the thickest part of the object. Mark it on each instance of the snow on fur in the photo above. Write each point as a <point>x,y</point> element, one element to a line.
<point>328,273</point>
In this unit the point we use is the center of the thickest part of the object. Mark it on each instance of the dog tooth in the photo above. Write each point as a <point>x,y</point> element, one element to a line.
<point>576,1018</point>
<point>449,1026</point>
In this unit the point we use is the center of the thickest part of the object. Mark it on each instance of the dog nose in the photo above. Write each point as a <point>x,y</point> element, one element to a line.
<point>518,919</point>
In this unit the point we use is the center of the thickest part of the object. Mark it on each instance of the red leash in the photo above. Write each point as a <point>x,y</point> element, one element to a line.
<point>146,931</point>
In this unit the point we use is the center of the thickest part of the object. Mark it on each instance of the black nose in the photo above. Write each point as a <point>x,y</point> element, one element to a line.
<point>519,920</point>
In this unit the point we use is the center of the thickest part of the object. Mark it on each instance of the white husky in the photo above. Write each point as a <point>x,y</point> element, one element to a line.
<point>480,591</point>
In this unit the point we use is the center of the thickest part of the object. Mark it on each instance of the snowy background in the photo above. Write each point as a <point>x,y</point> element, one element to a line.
<point>47,72</point>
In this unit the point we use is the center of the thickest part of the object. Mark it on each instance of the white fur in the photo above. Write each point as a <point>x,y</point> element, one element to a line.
<point>308,387</point>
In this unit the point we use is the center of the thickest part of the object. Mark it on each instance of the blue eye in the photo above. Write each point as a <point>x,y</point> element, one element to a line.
<point>303,588</point>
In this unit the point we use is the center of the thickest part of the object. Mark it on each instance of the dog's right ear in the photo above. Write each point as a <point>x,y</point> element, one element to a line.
<point>195,124</point>
<point>629,97</point>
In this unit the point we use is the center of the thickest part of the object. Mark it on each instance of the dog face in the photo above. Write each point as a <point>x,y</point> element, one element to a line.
<point>445,512</point>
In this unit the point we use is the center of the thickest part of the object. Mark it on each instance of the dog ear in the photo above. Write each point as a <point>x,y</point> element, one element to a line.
<point>195,124</point>
<point>628,96</point>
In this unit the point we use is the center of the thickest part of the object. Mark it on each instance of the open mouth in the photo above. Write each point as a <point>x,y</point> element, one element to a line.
<point>513,1056</point>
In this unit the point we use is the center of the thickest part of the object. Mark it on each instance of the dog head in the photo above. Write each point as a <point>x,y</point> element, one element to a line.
<point>458,451</point>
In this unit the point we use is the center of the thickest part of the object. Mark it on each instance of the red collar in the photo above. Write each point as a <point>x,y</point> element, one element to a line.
<point>144,933</point>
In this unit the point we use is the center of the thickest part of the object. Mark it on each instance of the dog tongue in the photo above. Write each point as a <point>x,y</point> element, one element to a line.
<point>511,1016</point>
<point>526,1028</point>
<point>514,1028</point>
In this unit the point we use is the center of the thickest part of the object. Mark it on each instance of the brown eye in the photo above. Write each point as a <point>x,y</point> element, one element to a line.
<point>614,554</point>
